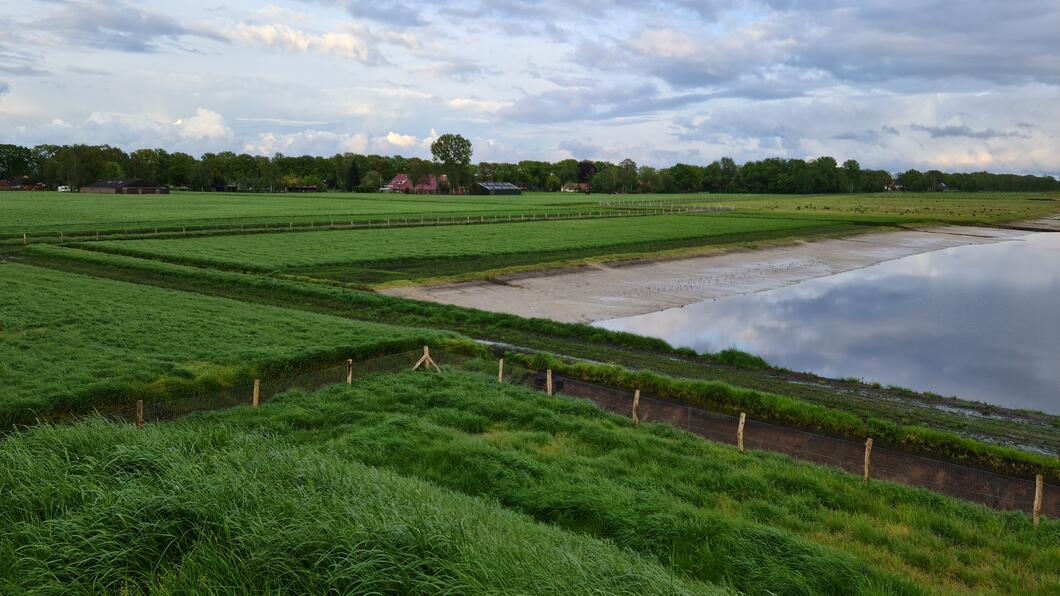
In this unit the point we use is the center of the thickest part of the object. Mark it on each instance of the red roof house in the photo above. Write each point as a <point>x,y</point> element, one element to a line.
<point>402,183</point>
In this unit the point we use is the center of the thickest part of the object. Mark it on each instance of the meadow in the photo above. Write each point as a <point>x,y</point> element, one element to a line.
<point>408,478</point>
<point>45,214</point>
<point>69,341</point>
<point>728,382</point>
<point>379,254</point>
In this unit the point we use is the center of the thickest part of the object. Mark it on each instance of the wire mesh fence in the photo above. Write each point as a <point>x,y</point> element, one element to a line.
<point>981,486</point>
<point>989,488</point>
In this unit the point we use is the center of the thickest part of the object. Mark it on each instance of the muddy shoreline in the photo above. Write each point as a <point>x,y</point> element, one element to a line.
<point>609,291</point>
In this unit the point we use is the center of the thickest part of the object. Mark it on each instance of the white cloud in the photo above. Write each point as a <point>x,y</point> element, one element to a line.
<point>314,142</point>
<point>283,37</point>
<point>204,125</point>
<point>400,140</point>
<point>477,105</point>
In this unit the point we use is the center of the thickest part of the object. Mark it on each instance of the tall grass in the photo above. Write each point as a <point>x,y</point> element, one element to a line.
<point>102,509</point>
<point>69,341</point>
<point>755,521</point>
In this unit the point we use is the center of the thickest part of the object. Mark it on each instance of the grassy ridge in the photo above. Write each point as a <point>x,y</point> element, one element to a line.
<point>583,340</point>
<point>68,341</point>
<point>754,521</point>
<point>102,509</point>
<point>286,252</point>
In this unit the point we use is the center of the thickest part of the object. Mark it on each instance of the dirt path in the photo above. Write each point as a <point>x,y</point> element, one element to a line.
<point>612,291</point>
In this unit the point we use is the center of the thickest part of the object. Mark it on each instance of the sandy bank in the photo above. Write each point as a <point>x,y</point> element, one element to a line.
<point>611,291</point>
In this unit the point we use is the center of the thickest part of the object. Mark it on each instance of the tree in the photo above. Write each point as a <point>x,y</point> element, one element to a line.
<point>15,161</point>
<point>454,153</point>
<point>420,171</point>
<point>586,170</point>
<point>852,173</point>
<point>553,183</point>
<point>626,178</point>
<point>371,182</point>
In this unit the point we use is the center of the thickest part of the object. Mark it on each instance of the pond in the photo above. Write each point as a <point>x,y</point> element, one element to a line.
<point>981,322</point>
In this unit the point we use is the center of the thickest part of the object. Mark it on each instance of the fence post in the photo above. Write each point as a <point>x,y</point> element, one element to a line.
<point>636,404</point>
<point>548,382</point>
<point>739,431</point>
<point>500,371</point>
<point>139,414</point>
<point>868,458</point>
<point>1038,486</point>
<point>349,371</point>
<point>257,393</point>
<point>24,240</point>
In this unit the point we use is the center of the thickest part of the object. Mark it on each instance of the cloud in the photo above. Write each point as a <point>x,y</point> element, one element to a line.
<point>284,38</point>
<point>400,140</point>
<point>205,125</point>
<point>314,142</point>
<point>938,132</point>
<point>4,87</point>
<point>115,26</point>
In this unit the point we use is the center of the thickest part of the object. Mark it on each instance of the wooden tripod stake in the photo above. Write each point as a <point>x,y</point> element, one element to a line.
<point>139,414</point>
<point>349,371</point>
<point>739,431</point>
<point>426,361</point>
<point>548,382</point>
<point>636,404</point>
<point>257,393</point>
<point>500,370</point>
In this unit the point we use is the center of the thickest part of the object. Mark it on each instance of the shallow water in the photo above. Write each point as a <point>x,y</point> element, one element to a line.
<point>980,322</point>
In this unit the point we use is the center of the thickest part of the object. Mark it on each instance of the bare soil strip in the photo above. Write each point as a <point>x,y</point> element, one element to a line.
<point>615,290</point>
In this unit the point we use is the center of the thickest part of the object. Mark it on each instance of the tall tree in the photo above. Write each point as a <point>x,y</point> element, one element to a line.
<point>454,153</point>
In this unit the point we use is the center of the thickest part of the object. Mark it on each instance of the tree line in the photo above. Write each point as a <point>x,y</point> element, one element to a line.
<point>80,165</point>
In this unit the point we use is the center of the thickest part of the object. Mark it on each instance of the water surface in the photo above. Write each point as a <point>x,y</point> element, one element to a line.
<point>980,322</point>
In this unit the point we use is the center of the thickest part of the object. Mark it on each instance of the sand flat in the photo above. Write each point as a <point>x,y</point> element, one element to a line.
<point>609,291</point>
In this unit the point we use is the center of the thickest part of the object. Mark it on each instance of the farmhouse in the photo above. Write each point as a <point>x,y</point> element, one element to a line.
<point>575,187</point>
<point>132,186</point>
<point>403,183</point>
<point>20,183</point>
<point>495,188</point>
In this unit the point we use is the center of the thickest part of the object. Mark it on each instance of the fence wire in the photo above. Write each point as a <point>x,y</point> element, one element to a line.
<point>981,486</point>
<point>995,490</point>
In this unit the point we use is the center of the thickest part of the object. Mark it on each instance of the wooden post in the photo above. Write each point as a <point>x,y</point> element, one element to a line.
<point>500,370</point>
<point>24,240</point>
<point>139,414</point>
<point>257,393</point>
<point>60,237</point>
<point>1038,486</point>
<point>636,405</point>
<point>548,382</point>
<point>868,458</point>
<point>739,431</point>
<point>349,371</point>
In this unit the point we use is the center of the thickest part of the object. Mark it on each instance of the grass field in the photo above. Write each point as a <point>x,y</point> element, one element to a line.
<point>69,341</point>
<point>907,419</point>
<point>48,213</point>
<point>381,254</point>
<point>587,499</point>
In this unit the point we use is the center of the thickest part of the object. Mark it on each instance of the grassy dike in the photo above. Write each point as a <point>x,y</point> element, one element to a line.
<point>415,482</point>
<point>941,442</point>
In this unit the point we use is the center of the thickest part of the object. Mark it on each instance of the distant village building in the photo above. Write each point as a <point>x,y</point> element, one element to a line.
<point>132,186</point>
<point>20,183</point>
<point>495,188</point>
<point>402,183</point>
<point>575,187</point>
<point>893,187</point>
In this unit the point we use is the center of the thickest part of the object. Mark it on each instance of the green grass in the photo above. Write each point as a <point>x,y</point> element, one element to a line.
<point>346,254</point>
<point>706,381</point>
<point>70,341</point>
<point>40,213</point>
<point>427,483</point>
<point>96,509</point>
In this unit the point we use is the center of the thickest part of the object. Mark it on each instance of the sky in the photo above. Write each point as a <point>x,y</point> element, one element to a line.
<point>953,85</point>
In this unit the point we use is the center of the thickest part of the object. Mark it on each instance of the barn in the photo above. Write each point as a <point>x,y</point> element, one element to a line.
<point>133,186</point>
<point>495,188</point>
